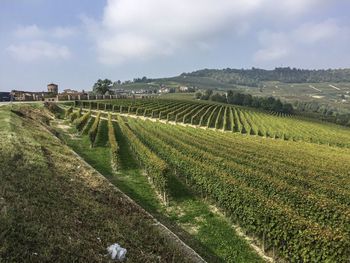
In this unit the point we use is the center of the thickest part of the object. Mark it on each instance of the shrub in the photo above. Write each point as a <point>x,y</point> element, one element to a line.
<point>93,129</point>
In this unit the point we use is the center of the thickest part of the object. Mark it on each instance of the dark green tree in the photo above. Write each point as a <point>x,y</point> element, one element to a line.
<point>206,95</point>
<point>277,106</point>
<point>197,95</point>
<point>102,86</point>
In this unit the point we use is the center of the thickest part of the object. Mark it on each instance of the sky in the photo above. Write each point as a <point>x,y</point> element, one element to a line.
<point>74,43</point>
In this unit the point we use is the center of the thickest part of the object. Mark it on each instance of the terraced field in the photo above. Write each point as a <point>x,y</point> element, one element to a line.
<point>230,118</point>
<point>293,195</point>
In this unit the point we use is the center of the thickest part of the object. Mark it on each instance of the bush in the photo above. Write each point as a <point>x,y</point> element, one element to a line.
<point>81,121</point>
<point>93,129</point>
<point>68,112</point>
<point>75,115</point>
<point>113,144</point>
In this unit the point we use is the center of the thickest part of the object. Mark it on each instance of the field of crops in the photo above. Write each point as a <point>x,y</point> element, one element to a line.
<point>229,118</point>
<point>293,196</point>
<point>55,208</point>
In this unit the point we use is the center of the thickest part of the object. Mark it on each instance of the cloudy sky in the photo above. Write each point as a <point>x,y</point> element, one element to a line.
<point>73,43</point>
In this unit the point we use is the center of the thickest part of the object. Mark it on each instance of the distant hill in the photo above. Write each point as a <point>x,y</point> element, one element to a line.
<point>252,77</point>
<point>232,78</point>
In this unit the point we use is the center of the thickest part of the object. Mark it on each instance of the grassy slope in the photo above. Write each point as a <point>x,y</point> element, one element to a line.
<point>213,235</point>
<point>55,209</point>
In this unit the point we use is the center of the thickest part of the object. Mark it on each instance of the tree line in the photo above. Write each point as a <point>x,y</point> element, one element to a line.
<point>323,112</point>
<point>253,77</point>
<point>236,98</point>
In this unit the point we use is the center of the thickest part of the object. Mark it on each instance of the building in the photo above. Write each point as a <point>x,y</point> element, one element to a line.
<point>70,91</point>
<point>183,88</point>
<point>5,96</point>
<point>19,95</point>
<point>70,94</point>
<point>52,88</point>
<point>164,90</point>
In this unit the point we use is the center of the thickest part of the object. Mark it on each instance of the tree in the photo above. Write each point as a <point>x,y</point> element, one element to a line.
<point>277,106</point>
<point>102,86</point>
<point>198,95</point>
<point>248,100</point>
<point>207,94</point>
<point>256,103</point>
<point>218,97</point>
<point>287,108</point>
<point>237,99</point>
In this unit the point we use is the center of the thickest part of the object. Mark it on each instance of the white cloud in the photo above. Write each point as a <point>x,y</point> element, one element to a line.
<point>311,33</point>
<point>35,32</point>
<point>272,53</point>
<point>38,50</point>
<point>31,31</point>
<point>33,43</point>
<point>132,29</point>
<point>62,32</point>
<point>294,7</point>
<point>280,45</point>
<point>275,46</point>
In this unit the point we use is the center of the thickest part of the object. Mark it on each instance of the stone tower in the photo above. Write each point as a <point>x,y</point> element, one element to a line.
<point>52,88</point>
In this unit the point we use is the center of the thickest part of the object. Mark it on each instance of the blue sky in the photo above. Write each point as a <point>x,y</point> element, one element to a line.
<point>73,43</point>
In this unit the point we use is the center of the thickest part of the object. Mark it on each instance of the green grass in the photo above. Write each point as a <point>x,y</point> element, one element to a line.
<point>130,179</point>
<point>193,219</point>
<point>208,226</point>
<point>102,134</point>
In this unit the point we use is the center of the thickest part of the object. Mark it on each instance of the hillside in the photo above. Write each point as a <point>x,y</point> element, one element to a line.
<point>236,184</point>
<point>146,178</point>
<point>55,208</point>
<point>252,77</point>
<point>255,77</point>
<point>292,195</point>
<point>319,93</point>
<point>226,117</point>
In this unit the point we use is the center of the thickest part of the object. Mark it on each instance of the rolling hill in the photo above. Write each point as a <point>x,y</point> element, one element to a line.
<point>290,191</point>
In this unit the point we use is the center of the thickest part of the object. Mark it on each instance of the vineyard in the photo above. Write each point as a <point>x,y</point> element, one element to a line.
<point>228,118</point>
<point>294,196</point>
<point>56,208</point>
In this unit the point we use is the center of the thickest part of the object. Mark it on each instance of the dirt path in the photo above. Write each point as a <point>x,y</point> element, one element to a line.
<point>315,88</point>
<point>334,87</point>
<point>152,119</point>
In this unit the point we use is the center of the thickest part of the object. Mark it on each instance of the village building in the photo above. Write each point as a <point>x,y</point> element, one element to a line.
<point>49,95</point>
<point>183,88</point>
<point>5,96</point>
<point>70,91</point>
<point>164,90</point>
